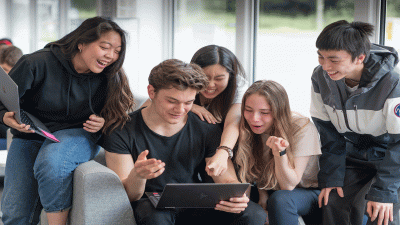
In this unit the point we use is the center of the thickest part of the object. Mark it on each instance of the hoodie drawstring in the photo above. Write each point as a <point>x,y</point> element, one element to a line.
<point>90,97</point>
<point>69,92</point>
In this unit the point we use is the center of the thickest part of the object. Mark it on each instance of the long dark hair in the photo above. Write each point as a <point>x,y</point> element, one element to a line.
<point>119,96</point>
<point>212,55</point>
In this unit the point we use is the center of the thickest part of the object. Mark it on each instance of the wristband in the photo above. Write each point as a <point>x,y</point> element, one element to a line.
<point>281,153</point>
<point>229,150</point>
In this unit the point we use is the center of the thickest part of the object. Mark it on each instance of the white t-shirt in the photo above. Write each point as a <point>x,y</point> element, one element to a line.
<point>242,85</point>
<point>307,144</point>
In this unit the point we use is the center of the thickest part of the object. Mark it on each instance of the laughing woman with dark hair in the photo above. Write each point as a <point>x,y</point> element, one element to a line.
<point>77,88</point>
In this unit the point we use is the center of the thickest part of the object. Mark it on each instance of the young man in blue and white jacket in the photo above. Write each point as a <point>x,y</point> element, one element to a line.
<point>356,108</point>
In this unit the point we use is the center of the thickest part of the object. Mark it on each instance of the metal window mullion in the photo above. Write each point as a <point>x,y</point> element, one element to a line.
<point>33,25</point>
<point>64,6</point>
<point>245,35</point>
<point>169,7</point>
<point>382,22</point>
<point>369,11</point>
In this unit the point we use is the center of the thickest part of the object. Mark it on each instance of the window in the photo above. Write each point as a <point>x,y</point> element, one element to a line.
<point>200,23</point>
<point>80,11</point>
<point>20,24</point>
<point>285,48</point>
<point>47,22</point>
<point>392,36</point>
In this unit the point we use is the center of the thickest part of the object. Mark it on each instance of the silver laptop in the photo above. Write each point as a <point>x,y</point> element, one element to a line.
<point>10,98</point>
<point>195,195</point>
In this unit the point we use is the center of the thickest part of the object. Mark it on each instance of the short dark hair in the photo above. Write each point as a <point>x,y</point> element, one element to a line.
<point>10,55</point>
<point>350,37</point>
<point>174,73</point>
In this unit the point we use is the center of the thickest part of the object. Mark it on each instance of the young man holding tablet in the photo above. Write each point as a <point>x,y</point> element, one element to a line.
<point>166,143</point>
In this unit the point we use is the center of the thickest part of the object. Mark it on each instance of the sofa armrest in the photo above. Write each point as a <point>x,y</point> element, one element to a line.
<point>99,197</point>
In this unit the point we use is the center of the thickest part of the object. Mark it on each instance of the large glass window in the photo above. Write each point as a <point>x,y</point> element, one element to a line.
<point>203,22</point>
<point>20,24</point>
<point>392,37</point>
<point>47,22</point>
<point>79,11</point>
<point>285,49</point>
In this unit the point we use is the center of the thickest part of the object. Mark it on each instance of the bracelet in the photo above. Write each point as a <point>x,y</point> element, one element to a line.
<point>281,153</point>
<point>226,148</point>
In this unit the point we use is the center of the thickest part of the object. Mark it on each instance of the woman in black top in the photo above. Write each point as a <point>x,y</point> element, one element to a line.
<point>77,88</point>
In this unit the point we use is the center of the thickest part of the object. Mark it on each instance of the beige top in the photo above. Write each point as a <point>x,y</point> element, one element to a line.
<point>307,144</point>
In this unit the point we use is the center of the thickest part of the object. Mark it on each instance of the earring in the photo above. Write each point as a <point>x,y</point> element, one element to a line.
<point>80,50</point>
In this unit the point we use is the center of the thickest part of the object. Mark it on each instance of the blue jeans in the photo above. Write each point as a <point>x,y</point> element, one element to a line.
<point>40,173</point>
<point>285,207</point>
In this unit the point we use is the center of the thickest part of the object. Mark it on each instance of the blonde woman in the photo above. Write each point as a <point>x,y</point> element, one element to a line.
<point>278,151</point>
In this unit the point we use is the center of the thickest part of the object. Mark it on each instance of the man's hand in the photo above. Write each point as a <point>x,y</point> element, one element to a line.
<point>148,168</point>
<point>324,195</point>
<point>217,164</point>
<point>10,121</point>
<point>94,124</point>
<point>234,205</point>
<point>382,211</point>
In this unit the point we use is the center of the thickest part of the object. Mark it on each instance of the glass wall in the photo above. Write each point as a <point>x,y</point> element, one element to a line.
<point>285,48</point>
<point>47,22</point>
<point>79,11</point>
<point>202,22</point>
<point>392,36</point>
<point>20,24</point>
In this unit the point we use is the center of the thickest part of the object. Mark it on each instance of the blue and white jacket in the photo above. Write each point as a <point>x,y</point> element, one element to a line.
<point>363,125</point>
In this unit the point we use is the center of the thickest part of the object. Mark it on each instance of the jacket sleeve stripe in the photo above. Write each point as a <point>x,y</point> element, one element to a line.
<point>317,108</point>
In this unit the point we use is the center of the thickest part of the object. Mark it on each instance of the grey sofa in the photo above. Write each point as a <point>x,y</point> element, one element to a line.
<point>99,198</point>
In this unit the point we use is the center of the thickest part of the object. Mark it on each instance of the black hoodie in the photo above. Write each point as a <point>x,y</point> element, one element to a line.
<point>51,89</point>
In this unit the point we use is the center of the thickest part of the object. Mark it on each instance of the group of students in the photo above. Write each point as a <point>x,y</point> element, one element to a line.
<point>202,123</point>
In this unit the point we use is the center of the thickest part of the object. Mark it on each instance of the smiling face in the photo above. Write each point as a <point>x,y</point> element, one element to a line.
<point>172,105</point>
<point>339,64</point>
<point>95,56</point>
<point>258,113</point>
<point>218,77</point>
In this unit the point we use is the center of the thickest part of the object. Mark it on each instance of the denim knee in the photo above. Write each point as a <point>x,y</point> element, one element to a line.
<point>280,200</point>
<point>254,214</point>
<point>55,164</point>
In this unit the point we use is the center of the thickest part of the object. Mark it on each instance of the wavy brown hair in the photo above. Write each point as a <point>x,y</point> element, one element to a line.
<point>212,55</point>
<point>119,96</point>
<point>252,166</point>
<point>174,73</point>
